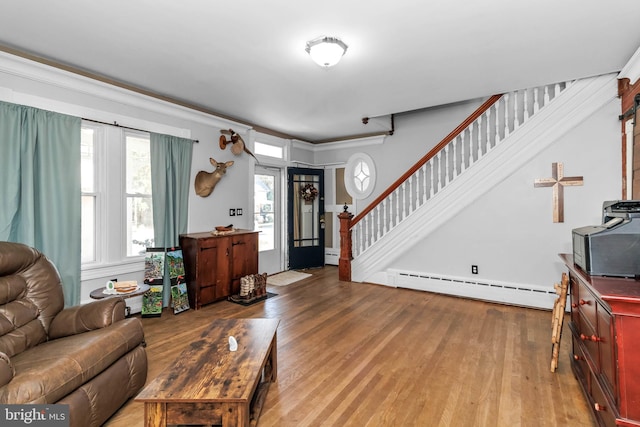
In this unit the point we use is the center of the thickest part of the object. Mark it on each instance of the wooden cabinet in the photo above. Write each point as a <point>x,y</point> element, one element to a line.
<point>214,264</point>
<point>605,329</point>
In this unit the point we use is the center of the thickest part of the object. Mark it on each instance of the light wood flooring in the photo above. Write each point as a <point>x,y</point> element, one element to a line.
<point>352,354</point>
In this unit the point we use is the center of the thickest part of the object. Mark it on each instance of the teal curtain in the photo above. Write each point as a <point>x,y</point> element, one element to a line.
<point>40,187</point>
<point>170,175</point>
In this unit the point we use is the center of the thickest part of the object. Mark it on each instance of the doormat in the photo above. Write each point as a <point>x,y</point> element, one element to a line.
<point>286,278</point>
<point>238,300</point>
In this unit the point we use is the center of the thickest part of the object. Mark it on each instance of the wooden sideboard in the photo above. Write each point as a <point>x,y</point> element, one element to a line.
<point>214,263</point>
<point>605,329</point>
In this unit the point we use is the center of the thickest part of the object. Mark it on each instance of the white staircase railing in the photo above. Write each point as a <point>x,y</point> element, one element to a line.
<point>465,149</point>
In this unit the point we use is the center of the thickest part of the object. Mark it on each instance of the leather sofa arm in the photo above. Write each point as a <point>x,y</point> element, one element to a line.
<point>88,317</point>
<point>6,369</point>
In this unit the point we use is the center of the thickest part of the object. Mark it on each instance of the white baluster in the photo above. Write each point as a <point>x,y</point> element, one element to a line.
<point>431,186</point>
<point>481,134</point>
<point>496,120</point>
<point>404,199</point>
<point>410,197</point>
<point>446,165</point>
<point>487,122</point>
<point>536,100</point>
<point>525,103</point>
<point>416,197</point>
<point>378,226</point>
<point>506,115</point>
<point>438,174</point>
<point>546,95</point>
<point>425,190</point>
<point>385,221</point>
<point>463,160</point>
<point>455,170</point>
<point>397,205</point>
<point>516,111</point>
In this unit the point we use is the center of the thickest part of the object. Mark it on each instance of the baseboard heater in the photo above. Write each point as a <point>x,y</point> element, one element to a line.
<point>505,293</point>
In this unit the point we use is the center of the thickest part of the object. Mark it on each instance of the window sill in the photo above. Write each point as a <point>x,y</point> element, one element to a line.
<point>100,271</point>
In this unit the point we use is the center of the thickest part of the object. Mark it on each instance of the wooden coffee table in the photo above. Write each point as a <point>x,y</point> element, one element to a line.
<point>209,384</point>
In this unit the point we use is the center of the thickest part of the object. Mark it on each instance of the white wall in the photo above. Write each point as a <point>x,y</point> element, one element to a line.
<point>508,233</point>
<point>28,83</point>
<point>415,134</point>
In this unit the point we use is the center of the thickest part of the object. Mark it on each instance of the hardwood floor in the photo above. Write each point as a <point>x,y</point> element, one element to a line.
<point>353,354</point>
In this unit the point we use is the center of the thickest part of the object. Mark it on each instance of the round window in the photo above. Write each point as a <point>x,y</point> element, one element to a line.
<point>360,175</point>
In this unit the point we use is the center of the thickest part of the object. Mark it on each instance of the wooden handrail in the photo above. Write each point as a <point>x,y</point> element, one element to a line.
<point>447,139</point>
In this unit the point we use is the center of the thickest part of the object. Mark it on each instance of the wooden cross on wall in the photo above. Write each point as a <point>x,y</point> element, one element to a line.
<point>558,181</point>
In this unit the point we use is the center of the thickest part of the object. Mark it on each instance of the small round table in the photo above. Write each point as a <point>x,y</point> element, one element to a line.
<point>99,294</point>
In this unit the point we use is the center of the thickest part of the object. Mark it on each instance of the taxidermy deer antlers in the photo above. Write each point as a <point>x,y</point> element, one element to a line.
<point>238,143</point>
<point>206,181</point>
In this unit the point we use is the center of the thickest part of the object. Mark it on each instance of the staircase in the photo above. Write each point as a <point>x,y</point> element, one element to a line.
<point>494,142</point>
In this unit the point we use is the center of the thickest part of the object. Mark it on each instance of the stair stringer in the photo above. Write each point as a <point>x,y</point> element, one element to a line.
<point>574,105</point>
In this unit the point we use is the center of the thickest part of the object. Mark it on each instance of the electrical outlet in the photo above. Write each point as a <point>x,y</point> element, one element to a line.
<point>474,269</point>
<point>239,211</point>
<point>232,212</point>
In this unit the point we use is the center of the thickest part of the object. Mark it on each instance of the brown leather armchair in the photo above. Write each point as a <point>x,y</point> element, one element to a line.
<point>89,357</point>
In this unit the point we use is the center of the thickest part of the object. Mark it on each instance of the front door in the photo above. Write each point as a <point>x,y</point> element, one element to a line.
<point>305,220</point>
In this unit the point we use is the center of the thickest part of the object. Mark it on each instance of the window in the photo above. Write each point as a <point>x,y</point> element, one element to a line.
<point>360,175</point>
<point>117,215</point>
<point>269,150</point>
<point>89,195</point>
<point>139,219</point>
<point>264,211</point>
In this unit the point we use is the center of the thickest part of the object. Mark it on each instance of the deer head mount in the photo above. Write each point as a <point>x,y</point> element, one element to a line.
<point>206,181</point>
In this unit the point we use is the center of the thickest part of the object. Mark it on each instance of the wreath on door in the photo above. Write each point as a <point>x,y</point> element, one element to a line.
<point>309,193</point>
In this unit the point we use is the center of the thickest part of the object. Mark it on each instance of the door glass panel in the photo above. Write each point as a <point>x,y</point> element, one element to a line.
<point>306,211</point>
<point>264,211</point>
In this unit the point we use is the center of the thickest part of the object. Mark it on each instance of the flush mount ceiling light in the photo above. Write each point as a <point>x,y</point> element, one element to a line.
<point>326,51</point>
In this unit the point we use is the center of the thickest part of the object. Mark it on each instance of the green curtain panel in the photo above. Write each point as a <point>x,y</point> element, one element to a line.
<point>170,175</point>
<point>40,187</point>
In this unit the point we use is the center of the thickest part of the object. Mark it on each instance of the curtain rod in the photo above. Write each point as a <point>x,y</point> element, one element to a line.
<point>126,127</point>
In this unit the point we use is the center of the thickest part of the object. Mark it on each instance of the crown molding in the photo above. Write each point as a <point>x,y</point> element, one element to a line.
<point>50,75</point>
<point>339,145</point>
<point>631,70</point>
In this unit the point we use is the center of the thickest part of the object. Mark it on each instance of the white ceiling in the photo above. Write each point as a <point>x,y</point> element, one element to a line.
<point>245,59</point>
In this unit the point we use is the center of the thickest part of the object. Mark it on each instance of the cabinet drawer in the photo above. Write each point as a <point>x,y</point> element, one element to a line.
<point>581,368</point>
<point>586,305</point>
<point>603,408</point>
<point>587,335</point>
<point>575,297</point>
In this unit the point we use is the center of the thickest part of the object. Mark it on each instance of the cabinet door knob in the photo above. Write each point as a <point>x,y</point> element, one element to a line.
<point>576,357</point>
<point>598,407</point>
<point>574,305</point>
<point>595,338</point>
<point>583,302</point>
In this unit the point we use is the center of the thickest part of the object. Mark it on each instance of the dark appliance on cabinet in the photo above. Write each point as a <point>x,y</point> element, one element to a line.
<point>613,248</point>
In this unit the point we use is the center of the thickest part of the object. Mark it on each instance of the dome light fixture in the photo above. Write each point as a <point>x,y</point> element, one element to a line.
<point>326,51</point>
